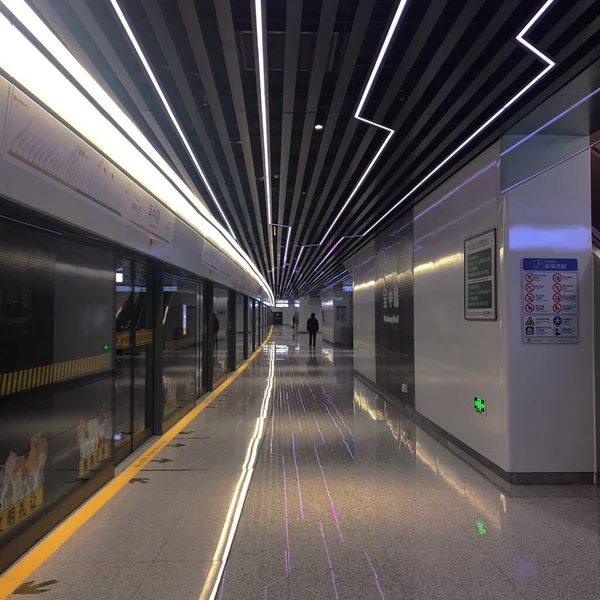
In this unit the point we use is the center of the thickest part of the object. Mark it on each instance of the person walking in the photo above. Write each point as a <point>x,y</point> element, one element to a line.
<point>294,322</point>
<point>312,326</point>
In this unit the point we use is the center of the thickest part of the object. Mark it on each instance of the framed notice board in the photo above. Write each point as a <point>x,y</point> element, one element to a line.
<point>480,277</point>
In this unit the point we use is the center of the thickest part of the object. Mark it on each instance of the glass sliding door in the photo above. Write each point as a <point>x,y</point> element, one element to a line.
<point>143,360</point>
<point>134,344</point>
<point>182,345</point>
<point>123,354</point>
<point>240,309</point>
<point>56,375</point>
<point>200,333</point>
<point>220,331</point>
<point>256,324</point>
<point>250,325</point>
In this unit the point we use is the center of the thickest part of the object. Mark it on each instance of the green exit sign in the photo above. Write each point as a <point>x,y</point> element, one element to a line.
<point>356,346</point>
<point>479,405</point>
<point>106,347</point>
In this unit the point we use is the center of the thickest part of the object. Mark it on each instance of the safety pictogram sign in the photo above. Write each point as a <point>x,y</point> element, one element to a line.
<point>550,300</point>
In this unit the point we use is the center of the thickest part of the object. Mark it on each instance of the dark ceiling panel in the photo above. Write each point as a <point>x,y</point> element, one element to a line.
<point>450,65</point>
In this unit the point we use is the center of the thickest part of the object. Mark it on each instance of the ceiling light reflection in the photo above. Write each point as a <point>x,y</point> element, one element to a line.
<point>211,586</point>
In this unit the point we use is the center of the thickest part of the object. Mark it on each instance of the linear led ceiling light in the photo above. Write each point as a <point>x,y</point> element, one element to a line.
<point>287,245</point>
<point>264,123</point>
<point>29,19</point>
<point>262,81</point>
<point>549,65</point>
<point>168,108</point>
<point>25,64</point>
<point>363,100</point>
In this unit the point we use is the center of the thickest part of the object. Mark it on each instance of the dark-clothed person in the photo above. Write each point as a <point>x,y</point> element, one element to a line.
<point>312,326</point>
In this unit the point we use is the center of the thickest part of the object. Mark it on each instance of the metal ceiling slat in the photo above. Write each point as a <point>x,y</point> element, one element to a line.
<point>101,40</point>
<point>391,179</point>
<point>356,38</point>
<point>264,119</point>
<point>555,86</point>
<point>435,65</point>
<point>230,54</point>
<point>194,31</point>
<point>389,172</point>
<point>292,42</point>
<point>505,10</point>
<point>350,220</point>
<point>167,46</point>
<point>428,124</point>
<point>324,35</point>
<point>407,62</point>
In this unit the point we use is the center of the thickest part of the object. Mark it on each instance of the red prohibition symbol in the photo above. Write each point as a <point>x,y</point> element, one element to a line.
<point>557,277</point>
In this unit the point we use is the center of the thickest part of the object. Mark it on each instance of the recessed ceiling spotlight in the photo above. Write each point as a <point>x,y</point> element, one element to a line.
<point>318,127</point>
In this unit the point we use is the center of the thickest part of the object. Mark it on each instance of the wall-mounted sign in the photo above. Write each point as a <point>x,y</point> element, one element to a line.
<point>480,277</point>
<point>549,301</point>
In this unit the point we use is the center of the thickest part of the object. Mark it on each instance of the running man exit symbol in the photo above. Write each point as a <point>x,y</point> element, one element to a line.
<point>479,404</point>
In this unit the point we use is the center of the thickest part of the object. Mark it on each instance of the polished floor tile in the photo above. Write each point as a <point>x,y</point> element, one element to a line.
<point>348,499</point>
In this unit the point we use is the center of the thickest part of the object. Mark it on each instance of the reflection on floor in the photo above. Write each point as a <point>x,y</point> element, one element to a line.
<point>349,500</point>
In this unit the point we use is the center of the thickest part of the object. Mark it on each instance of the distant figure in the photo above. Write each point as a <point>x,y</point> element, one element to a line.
<point>294,322</point>
<point>215,329</point>
<point>312,326</point>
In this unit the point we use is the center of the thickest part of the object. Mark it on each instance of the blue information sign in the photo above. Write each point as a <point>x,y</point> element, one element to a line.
<point>549,264</point>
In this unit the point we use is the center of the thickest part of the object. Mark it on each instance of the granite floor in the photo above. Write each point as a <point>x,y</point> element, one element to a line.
<point>348,500</point>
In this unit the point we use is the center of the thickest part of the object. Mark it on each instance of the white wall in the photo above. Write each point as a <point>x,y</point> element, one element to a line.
<point>336,331</point>
<point>539,398</point>
<point>362,267</point>
<point>455,359</point>
<point>550,386</point>
<point>327,325</point>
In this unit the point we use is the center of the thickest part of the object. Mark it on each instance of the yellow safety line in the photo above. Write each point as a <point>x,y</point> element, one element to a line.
<point>15,575</point>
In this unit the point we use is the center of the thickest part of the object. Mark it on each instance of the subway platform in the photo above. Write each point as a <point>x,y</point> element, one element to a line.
<point>296,481</point>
